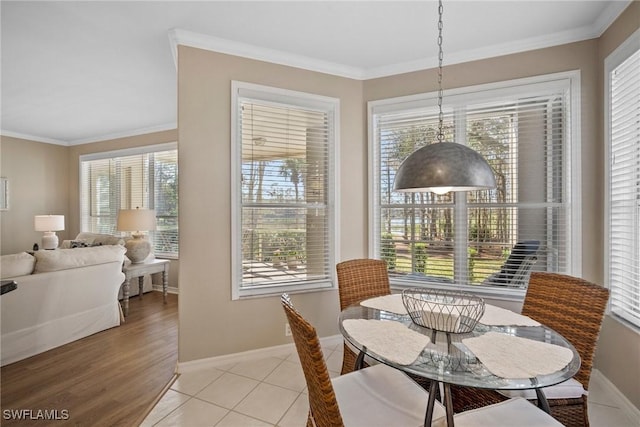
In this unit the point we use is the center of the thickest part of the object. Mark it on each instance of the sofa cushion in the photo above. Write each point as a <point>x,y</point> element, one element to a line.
<point>15,265</point>
<point>62,259</point>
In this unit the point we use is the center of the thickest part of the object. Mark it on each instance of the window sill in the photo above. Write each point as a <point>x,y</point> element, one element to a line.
<point>277,290</point>
<point>504,294</point>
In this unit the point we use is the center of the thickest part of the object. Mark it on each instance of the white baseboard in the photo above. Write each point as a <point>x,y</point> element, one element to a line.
<point>276,351</point>
<point>170,289</point>
<point>611,390</point>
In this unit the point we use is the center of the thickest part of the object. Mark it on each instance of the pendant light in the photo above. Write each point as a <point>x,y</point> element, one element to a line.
<point>443,166</point>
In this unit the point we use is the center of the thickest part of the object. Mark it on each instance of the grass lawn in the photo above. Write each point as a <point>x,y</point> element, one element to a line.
<point>443,267</point>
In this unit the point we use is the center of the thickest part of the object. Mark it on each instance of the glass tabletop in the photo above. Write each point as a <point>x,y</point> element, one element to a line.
<point>453,363</point>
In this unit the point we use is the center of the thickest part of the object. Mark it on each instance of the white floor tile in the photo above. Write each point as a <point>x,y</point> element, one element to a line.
<point>192,382</point>
<point>296,416</point>
<point>227,366</point>
<point>293,357</point>
<point>228,390</point>
<point>607,416</point>
<point>288,375</point>
<point>267,402</point>
<point>272,391</point>
<point>256,369</point>
<point>234,419</point>
<point>169,402</point>
<point>194,413</point>
<point>328,348</point>
<point>334,362</point>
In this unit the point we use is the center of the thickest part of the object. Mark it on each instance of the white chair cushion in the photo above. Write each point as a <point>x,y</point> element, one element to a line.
<point>383,396</point>
<point>513,412</point>
<point>570,389</point>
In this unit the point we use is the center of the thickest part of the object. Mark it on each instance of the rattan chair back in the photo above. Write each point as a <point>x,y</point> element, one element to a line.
<point>571,306</point>
<point>358,280</point>
<point>323,405</point>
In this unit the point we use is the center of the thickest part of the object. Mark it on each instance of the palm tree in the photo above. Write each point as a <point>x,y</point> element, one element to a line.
<point>293,170</point>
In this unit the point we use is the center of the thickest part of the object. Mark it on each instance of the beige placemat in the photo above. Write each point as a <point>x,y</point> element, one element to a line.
<point>496,316</point>
<point>508,356</point>
<point>389,339</point>
<point>390,303</point>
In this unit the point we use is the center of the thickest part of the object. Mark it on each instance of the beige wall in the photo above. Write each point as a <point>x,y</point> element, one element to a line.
<point>38,177</point>
<point>210,323</point>
<point>618,353</point>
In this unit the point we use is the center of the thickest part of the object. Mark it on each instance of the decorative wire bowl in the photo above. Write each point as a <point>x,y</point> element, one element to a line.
<point>445,311</point>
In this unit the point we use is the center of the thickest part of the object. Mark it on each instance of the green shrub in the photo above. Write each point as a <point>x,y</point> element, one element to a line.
<point>420,258</point>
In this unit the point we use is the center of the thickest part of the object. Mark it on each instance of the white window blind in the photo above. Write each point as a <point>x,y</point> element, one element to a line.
<point>284,205</point>
<point>146,177</point>
<point>481,238</point>
<point>624,182</point>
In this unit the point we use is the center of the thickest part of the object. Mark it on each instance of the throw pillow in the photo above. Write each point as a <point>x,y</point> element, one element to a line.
<point>15,265</point>
<point>78,244</point>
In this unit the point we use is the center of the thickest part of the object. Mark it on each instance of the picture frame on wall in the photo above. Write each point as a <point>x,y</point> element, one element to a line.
<point>4,194</point>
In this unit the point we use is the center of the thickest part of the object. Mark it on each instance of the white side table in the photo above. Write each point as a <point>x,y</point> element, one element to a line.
<point>140,270</point>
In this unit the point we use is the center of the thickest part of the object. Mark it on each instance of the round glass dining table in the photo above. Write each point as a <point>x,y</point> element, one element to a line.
<point>448,361</point>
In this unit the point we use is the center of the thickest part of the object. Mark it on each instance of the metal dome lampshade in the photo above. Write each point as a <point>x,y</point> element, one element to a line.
<point>443,166</point>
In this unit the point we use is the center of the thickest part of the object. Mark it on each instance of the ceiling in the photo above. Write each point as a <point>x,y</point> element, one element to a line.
<point>82,71</point>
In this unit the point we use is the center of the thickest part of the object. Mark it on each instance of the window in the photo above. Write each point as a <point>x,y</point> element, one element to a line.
<point>283,201</point>
<point>145,177</point>
<point>622,224</point>
<point>523,128</point>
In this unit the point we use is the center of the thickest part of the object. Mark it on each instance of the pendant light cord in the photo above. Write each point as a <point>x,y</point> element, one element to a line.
<point>440,136</point>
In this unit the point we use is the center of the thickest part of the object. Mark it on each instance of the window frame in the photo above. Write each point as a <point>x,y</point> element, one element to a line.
<point>243,90</point>
<point>146,149</point>
<point>476,93</point>
<point>611,62</point>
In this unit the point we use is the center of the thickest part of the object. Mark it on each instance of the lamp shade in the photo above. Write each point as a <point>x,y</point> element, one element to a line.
<point>136,220</point>
<point>48,222</point>
<point>442,167</point>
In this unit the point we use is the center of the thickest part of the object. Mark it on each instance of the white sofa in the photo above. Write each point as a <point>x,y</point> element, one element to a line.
<point>62,295</point>
<point>88,239</point>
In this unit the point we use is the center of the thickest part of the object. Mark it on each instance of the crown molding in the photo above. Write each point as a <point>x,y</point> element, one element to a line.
<point>202,41</point>
<point>32,137</point>
<point>125,134</point>
<point>106,137</point>
<point>609,15</point>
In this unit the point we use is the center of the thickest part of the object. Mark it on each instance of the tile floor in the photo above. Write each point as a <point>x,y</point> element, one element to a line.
<point>271,391</point>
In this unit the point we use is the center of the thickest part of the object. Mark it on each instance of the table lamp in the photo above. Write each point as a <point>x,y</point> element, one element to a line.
<point>137,221</point>
<point>49,224</point>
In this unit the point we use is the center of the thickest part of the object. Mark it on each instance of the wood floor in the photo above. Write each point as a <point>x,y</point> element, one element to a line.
<point>107,379</point>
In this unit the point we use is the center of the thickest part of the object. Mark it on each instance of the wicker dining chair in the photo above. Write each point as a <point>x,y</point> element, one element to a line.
<point>358,280</point>
<point>383,396</point>
<point>573,307</point>
<point>374,396</point>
